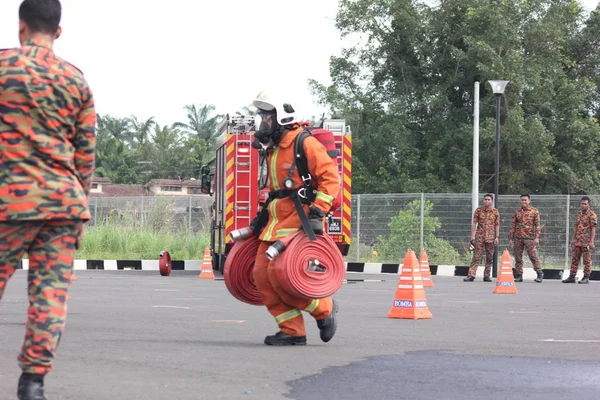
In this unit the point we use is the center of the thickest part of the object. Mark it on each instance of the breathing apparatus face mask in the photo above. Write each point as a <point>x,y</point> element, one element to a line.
<point>265,126</point>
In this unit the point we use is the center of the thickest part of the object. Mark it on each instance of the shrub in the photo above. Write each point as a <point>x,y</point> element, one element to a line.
<point>405,231</point>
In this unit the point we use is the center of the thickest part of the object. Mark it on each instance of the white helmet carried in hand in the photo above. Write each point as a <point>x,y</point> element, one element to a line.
<point>271,116</point>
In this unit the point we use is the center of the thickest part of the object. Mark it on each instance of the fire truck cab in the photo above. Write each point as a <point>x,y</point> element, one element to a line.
<point>239,181</point>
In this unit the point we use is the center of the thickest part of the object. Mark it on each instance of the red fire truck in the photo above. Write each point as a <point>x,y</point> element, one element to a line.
<point>238,182</point>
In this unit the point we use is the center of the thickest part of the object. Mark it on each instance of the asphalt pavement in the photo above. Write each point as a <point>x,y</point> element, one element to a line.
<point>137,335</point>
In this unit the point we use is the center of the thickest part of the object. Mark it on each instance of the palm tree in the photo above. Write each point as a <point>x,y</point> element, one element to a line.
<point>247,111</point>
<point>166,137</point>
<point>141,131</point>
<point>200,123</point>
<point>118,128</point>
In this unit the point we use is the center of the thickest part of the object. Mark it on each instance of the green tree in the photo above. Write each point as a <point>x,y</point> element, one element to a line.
<point>114,159</point>
<point>406,88</point>
<point>177,155</point>
<point>200,123</point>
<point>405,233</point>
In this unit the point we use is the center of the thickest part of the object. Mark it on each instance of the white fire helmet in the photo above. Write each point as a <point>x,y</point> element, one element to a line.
<point>284,112</point>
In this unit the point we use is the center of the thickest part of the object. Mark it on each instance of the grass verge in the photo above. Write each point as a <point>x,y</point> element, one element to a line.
<point>109,242</point>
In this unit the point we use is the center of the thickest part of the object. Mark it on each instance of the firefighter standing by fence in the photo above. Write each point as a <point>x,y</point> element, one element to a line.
<point>485,231</point>
<point>582,243</point>
<point>47,153</point>
<point>525,234</point>
<point>277,127</point>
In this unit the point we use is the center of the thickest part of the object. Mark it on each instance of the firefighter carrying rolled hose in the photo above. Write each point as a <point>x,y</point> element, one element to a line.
<point>291,207</point>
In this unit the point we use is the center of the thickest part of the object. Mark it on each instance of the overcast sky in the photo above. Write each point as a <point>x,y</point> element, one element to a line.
<point>149,58</point>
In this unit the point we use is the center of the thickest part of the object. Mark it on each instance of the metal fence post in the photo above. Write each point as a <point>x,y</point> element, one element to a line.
<point>95,211</point>
<point>190,214</point>
<point>142,214</point>
<point>357,227</point>
<point>567,241</point>
<point>422,219</point>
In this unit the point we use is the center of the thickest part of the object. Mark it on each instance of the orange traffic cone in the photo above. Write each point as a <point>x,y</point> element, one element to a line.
<point>410,301</point>
<point>206,270</point>
<point>506,280</point>
<point>425,271</point>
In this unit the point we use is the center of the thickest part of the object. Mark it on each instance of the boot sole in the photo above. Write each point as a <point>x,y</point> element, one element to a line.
<point>286,344</point>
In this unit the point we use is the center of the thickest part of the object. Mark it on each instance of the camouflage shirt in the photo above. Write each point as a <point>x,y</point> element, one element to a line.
<point>583,227</point>
<point>525,224</point>
<point>487,221</point>
<point>47,136</point>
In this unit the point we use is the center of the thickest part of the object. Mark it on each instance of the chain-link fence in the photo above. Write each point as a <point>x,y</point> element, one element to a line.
<point>175,213</point>
<point>383,226</point>
<point>441,223</point>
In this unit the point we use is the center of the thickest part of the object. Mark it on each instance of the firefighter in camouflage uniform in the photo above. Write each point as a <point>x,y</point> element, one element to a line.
<point>484,236</point>
<point>582,243</point>
<point>47,155</point>
<point>525,234</point>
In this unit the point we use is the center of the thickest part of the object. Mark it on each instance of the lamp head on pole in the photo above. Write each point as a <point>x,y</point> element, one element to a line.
<point>498,86</point>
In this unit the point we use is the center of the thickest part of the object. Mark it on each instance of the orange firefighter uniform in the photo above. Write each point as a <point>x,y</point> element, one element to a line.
<point>284,220</point>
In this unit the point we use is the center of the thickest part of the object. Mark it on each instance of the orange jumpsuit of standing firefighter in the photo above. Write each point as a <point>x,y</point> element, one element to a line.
<point>277,126</point>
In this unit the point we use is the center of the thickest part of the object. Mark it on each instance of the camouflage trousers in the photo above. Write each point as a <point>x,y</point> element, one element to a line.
<point>50,245</point>
<point>580,252</point>
<point>480,246</point>
<point>529,245</point>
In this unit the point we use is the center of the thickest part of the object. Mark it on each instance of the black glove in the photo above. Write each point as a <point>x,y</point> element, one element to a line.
<point>253,223</point>
<point>315,217</point>
<point>314,212</point>
<point>258,223</point>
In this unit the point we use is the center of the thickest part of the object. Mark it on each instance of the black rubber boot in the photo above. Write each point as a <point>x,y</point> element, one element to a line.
<point>585,279</point>
<point>519,278</point>
<point>487,279</point>
<point>31,387</point>
<point>540,277</point>
<point>469,278</point>
<point>283,339</point>
<point>328,325</point>
<point>570,279</point>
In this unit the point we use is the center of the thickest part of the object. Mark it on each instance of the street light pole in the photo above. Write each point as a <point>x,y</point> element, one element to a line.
<point>497,178</point>
<point>497,160</point>
<point>498,89</point>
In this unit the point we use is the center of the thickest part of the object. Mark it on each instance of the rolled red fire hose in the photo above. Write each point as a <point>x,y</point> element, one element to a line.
<point>164,263</point>
<point>310,269</point>
<point>238,271</point>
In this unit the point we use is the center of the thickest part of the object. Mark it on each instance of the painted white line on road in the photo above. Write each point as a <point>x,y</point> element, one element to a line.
<point>185,308</point>
<point>524,312</point>
<point>571,340</point>
<point>238,321</point>
<point>187,298</point>
<point>463,301</point>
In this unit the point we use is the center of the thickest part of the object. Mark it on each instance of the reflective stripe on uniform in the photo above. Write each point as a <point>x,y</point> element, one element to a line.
<point>286,316</point>
<point>312,306</point>
<point>285,232</point>
<point>273,212</point>
<point>325,197</point>
<point>274,169</point>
